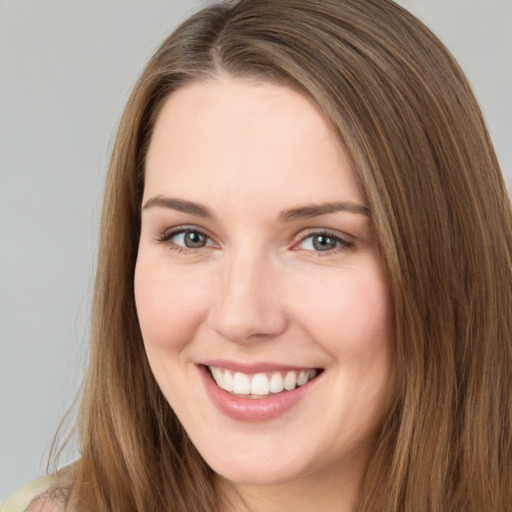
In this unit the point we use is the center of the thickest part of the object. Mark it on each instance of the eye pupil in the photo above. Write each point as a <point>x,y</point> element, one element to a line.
<point>194,240</point>
<point>324,243</point>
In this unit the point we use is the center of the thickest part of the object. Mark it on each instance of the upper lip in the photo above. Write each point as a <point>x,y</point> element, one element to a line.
<point>256,367</point>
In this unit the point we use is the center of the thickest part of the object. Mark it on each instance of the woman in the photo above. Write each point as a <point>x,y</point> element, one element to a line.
<point>303,292</point>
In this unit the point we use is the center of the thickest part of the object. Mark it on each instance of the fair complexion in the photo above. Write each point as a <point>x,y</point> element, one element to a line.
<point>257,258</point>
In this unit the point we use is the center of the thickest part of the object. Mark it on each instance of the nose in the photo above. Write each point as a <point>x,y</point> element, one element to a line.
<point>248,304</point>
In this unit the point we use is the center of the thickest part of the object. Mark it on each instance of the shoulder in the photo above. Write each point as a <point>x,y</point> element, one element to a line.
<point>54,501</point>
<point>46,494</point>
<point>22,498</point>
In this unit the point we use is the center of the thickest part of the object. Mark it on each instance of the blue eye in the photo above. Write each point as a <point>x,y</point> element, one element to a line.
<point>323,242</point>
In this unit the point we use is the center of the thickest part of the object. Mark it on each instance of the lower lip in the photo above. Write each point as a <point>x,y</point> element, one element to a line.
<point>249,409</point>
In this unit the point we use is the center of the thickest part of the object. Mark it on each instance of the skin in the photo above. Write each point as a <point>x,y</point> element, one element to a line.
<point>259,290</point>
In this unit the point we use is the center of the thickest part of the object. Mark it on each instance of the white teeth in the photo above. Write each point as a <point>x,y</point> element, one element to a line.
<point>276,384</point>
<point>224,381</point>
<point>216,374</point>
<point>290,381</point>
<point>303,378</point>
<point>241,384</point>
<point>261,385</point>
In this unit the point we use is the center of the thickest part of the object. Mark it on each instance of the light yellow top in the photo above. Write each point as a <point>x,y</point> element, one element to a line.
<point>46,494</point>
<point>21,499</point>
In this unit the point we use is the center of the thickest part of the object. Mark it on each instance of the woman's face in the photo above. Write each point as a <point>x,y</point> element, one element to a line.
<point>259,289</point>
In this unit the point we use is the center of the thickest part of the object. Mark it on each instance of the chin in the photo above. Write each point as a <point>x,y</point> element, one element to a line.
<point>259,465</point>
<point>242,474</point>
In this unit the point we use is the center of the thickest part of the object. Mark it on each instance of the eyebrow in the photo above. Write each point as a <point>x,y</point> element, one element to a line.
<point>303,212</point>
<point>316,210</point>
<point>178,204</point>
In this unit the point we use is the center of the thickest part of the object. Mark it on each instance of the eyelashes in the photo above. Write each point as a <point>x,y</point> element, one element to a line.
<point>192,240</point>
<point>185,239</point>
<point>324,242</point>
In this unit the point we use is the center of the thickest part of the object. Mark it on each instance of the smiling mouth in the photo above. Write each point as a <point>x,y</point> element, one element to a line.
<point>260,385</point>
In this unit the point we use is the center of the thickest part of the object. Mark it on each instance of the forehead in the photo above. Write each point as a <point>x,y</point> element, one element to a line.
<point>246,137</point>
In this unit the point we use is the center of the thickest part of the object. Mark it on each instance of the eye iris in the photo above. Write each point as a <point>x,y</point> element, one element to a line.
<point>194,240</point>
<point>324,243</point>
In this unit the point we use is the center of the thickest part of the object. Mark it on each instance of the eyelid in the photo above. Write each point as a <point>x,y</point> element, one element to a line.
<point>345,242</point>
<point>168,234</point>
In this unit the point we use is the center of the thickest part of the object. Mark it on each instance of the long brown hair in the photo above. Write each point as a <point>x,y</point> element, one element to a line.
<point>405,113</point>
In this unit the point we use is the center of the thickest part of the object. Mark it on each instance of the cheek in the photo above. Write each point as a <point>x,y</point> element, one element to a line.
<point>169,305</point>
<point>348,314</point>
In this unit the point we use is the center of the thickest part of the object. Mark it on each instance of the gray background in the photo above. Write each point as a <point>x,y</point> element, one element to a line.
<point>66,68</point>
